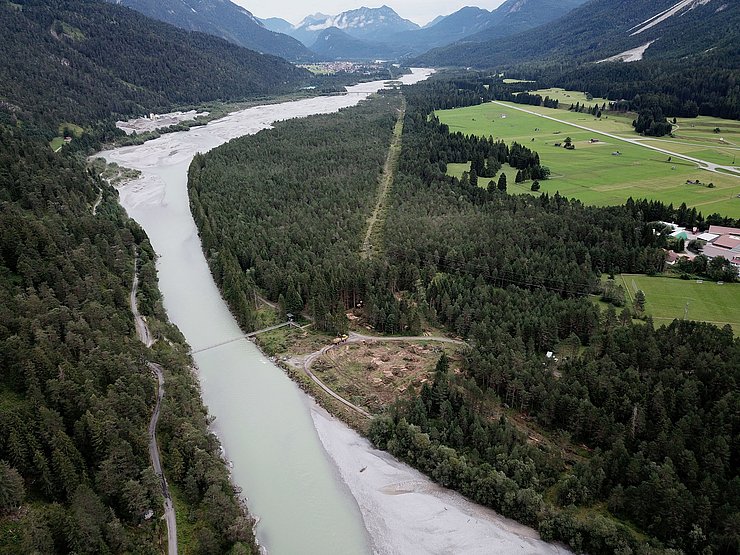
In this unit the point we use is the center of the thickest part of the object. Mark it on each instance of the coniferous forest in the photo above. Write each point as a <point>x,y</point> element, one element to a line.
<point>76,394</point>
<point>75,391</point>
<point>650,413</point>
<point>628,444</point>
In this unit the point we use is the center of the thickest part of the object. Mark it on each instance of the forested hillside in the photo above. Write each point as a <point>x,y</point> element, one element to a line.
<point>602,28</point>
<point>75,393</point>
<point>689,57</point>
<point>81,61</point>
<point>335,44</point>
<point>223,19</point>
<point>641,447</point>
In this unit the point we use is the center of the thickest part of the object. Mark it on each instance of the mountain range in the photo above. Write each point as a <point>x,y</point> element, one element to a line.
<point>82,54</point>
<point>476,24</point>
<point>608,30</point>
<point>368,33</point>
<point>518,31</point>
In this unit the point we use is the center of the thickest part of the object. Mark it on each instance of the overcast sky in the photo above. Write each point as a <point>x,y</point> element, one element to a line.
<point>419,11</point>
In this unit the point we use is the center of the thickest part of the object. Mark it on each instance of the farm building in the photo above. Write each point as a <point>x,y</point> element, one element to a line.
<point>719,241</point>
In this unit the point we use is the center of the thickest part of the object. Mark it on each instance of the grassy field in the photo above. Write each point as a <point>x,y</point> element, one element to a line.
<point>666,298</point>
<point>56,143</point>
<point>693,136</point>
<point>75,129</point>
<point>569,97</point>
<point>591,172</point>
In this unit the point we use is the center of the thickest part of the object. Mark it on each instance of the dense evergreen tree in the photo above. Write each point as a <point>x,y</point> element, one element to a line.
<point>315,182</point>
<point>75,392</point>
<point>652,122</point>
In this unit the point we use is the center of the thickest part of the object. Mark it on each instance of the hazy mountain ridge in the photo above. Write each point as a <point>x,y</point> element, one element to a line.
<point>277,24</point>
<point>224,19</point>
<point>515,16</point>
<point>434,21</point>
<point>463,23</point>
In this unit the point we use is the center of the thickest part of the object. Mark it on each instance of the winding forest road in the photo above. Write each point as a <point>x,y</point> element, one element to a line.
<point>703,164</point>
<point>142,331</point>
<point>97,202</point>
<point>358,338</point>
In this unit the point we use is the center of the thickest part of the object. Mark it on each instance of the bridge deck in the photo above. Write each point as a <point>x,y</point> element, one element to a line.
<point>245,336</point>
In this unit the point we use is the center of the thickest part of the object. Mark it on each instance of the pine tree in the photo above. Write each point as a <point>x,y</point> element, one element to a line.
<point>293,300</point>
<point>640,300</point>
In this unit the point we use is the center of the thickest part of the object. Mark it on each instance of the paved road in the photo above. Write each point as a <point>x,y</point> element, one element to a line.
<point>142,331</point>
<point>169,509</point>
<point>358,338</point>
<point>704,164</point>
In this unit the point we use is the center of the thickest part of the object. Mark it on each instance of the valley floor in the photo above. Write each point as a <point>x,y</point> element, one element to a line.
<point>610,162</point>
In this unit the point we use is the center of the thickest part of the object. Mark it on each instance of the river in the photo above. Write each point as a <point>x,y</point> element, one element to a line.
<point>292,461</point>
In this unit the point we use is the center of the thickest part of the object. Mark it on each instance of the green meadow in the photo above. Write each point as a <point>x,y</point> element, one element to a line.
<point>593,172</point>
<point>666,299</point>
<point>707,138</point>
<point>567,98</point>
<point>58,142</point>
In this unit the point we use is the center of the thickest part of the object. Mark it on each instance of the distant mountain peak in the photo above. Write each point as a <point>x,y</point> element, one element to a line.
<point>312,18</point>
<point>365,23</point>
